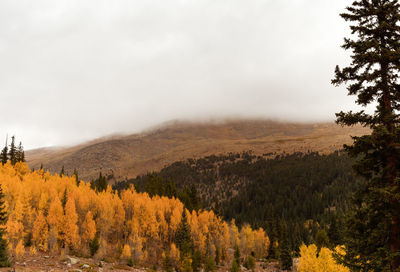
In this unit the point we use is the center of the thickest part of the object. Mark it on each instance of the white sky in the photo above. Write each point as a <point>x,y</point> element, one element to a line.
<point>76,70</point>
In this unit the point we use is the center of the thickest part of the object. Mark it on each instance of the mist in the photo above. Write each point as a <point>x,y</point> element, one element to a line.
<point>72,71</point>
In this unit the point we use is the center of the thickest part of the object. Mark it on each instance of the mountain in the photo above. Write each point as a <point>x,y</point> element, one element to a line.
<point>126,156</point>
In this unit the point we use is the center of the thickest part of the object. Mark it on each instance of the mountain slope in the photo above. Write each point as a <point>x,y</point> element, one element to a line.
<point>125,157</point>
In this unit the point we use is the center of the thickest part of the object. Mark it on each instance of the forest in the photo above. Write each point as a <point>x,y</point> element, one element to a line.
<point>52,213</point>
<point>292,195</point>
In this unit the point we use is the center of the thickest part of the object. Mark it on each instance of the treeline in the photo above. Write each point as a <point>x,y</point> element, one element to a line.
<point>291,196</point>
<point>12,152</point>
<point>55,213</point>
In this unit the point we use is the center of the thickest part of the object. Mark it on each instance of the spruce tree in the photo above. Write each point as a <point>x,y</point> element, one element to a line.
<point>62,172</point>
<point>4,154</point>
<point>183,238</point>
<point>75,174</point>
<point>20,156</point>
<point>12,153</point>
<point>373,227</point>
<point>4,261</point>
<point>285,256</point>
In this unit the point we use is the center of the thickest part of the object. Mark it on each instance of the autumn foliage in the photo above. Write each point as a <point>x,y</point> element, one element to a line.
<point>324,261</point>
<point>51,213</point>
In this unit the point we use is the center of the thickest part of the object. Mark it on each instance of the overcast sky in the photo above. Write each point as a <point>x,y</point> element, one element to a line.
<point>72,70</point>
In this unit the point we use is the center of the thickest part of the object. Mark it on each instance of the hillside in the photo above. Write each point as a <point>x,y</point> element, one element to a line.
<point>130,155</point>
<point>301,192</point>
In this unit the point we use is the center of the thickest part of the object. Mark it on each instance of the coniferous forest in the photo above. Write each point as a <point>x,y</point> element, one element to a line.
<point>297,193</point>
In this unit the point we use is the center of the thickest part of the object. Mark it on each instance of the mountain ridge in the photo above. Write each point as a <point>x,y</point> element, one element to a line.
<point>126,156</point>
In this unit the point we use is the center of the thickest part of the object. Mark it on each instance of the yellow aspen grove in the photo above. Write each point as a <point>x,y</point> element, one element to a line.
<point>71,230</point>
<point>55,219</point>
<point>126,252</point>
<point>246,240</point>
<point>261,244</point>
<point>32,251</point>
<point>19,250</point>
<point>324,262</point>
<point>43,204</point>
<point>88,228</point>
<point>174,254</point>
<point>145,225</point>
<point>234,234</point>
<point>40,233</point>
<point>15,231</point>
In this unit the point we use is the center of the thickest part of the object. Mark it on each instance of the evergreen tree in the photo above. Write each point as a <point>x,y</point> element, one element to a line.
<point>285,256</point>
<point>4,153</point>
<point>321,239</point>
<point>236,254</point>
<point>183,238</point>
<point>100,184</point>
<point>196,261</point>
<point>13,151</point>
<point>334,234</point>
<point>94,245</point>
<point>4,261</point>
<point>62,172</point>
<point>373,227</point>
<point>64,199</point>
<point>235,267</point>
<point>209,265</point>
<point>20,154</point>
<point>76,177</point>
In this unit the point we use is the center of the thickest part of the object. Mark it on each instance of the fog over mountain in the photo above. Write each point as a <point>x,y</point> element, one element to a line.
<point>72,70</point>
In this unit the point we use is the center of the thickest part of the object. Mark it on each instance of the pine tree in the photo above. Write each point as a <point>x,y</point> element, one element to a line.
<point>4,154</point>
<point>183,238</point>
<point>334,234</point>
<point>62,172</point>
<point>20,154</point>
<point>373,227</point>
<point>236,254</point>
<point>285,256</point>
<point>13,151</point>
<point>321,239</point>
<point>64,199</point>
<point>75,174</point>
<point>4,261</point>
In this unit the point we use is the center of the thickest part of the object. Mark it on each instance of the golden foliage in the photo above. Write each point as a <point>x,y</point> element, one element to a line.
<point>126,252</point>
<point>19,250</point>
<point>145,225</point>
<point>324,262</point>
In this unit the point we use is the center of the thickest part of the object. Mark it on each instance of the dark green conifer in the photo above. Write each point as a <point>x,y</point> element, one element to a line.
<point>285,253</point>
<point>321,239</point>
<point>183,238</point>
<point>334,234</point>
<point>62,172</point>
<point>196,261</point>
<point>373,227</point>
<point>94,245</point>
<point>4,153</point>
<point>20,154</point>
<point>76,177</point>
<point>4,261</point>
<point>209,265</point>
<point>4,157</point>
<point>236,254</point>
<point>64,199</point>
<point>13,151</point>
<point>235,267</point>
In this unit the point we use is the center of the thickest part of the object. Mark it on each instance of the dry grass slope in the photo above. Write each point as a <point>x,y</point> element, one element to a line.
<point>129,156</point>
